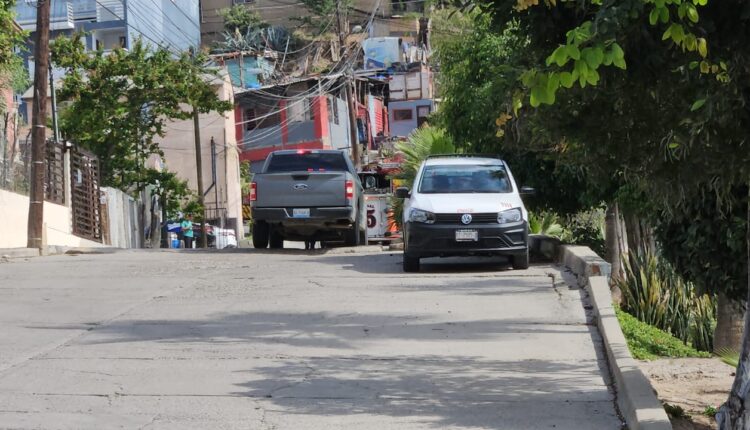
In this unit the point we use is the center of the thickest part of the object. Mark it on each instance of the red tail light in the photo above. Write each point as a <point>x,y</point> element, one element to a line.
<point>253,192</point>
<point>349,190</point>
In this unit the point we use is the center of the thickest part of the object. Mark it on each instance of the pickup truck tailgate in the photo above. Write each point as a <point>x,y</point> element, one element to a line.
<point>301,190</point>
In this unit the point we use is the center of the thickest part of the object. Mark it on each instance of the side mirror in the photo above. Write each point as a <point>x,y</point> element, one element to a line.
<point>402,193</point>
<point>529,191</point>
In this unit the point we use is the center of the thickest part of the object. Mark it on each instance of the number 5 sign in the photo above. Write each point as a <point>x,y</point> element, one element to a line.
<point>377,217</point>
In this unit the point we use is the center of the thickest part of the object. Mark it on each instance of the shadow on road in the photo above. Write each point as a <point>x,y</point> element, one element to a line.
<point>448,391</point>
<point>390,263</point>
<point>319,330</point>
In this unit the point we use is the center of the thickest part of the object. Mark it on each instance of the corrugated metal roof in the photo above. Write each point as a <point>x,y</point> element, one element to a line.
<point>289,82</point>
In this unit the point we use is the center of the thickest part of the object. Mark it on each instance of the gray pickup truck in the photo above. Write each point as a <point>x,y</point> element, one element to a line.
<point>307,195</point>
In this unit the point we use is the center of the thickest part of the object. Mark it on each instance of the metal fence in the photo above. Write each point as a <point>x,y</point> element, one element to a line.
<point>15,166</point>
<point>15,170</point>
<point>86,203</point>
<point>216,215</point>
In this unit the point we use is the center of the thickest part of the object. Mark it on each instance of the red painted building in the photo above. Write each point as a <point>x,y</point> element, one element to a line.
<point>309,113</point>
<point>306,114</point>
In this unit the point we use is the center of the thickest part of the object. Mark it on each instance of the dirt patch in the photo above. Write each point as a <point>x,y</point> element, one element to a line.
<point>692,384</point>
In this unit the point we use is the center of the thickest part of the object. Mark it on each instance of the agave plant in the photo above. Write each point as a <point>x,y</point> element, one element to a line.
<point>654,293</point>
<point>704,323</point>
<point>254,39</point>
<point>643,289</point>
<point>422,142</point>
<point>545,223</point>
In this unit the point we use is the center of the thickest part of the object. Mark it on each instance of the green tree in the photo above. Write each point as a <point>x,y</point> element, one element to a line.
<point>10,37</point>
<point>12,72</point>
<point>174,193</point>
<point>643,95</point>
<point>477,68</point>
<point>323,13</point>
<point>118,103</point>
<point>241,18</point>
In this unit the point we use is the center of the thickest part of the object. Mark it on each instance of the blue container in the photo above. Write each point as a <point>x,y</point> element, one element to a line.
<point>175,243</point>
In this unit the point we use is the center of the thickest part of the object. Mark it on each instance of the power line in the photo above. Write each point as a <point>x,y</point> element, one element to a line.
<point>177,27</point>
<point>131,26</point>
<point>269,133</point>
<point>319,89</point>
<point>189,17</point>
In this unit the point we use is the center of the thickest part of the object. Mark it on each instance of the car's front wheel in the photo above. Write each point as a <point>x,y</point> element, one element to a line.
<point>520,261</point>
<point>411,263</point>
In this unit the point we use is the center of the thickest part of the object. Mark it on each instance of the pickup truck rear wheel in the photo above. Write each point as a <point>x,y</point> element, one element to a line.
<point>352,236</point>
<point>277,240</point>
<point>260,235</point>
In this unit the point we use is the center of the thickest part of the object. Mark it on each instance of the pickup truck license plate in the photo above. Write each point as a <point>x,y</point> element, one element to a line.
<point>300,213</point>
<point>467,236</point>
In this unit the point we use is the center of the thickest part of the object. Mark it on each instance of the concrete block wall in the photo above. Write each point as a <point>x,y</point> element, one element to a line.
<point>14,214</point>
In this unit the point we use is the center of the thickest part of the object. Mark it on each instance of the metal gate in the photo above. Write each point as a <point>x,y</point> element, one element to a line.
<point>84,180</point>
<point>54,178</point>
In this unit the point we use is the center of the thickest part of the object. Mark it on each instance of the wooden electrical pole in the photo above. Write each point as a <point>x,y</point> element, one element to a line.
<point>356,157</point>
<point>199,168</point>
<point>39,127</point>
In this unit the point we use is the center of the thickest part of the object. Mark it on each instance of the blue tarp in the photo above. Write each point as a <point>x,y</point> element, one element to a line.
<point>255,70</point>
<point>381,52</point>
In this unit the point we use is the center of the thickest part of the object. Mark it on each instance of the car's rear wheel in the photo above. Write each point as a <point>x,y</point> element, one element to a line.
<point>260,234</point>
<point>277,240</point>
<point>520,261</point>
<point>411,263</point>
<point>352,236</point>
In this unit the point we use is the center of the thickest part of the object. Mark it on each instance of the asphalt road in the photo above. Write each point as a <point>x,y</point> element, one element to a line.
<point>295,340</point>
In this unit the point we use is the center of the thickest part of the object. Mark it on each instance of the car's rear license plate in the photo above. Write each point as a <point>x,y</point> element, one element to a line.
<point>467,236</point>
<point>301,213</point>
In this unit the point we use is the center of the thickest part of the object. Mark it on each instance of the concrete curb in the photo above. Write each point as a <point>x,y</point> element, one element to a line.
<point>544,247</point>
<point>636,398</point>
<point>9,253</point>
<point>13,253</point>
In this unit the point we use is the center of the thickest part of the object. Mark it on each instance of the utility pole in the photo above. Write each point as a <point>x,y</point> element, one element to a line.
<point>356,157</point>
<point>39,128</point>
<point>55,124</point>
<point>215,179</point>
<point>199,167</point>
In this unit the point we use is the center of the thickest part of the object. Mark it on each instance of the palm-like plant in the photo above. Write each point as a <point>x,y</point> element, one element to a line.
<point>423,142</point>
<point>545,223</point>
<point>729,356</point>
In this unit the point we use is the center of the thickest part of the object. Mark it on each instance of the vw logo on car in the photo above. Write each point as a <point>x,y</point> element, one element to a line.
<point>466,218</point>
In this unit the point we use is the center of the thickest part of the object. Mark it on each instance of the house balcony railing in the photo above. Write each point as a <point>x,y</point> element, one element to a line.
<point>61,16</point>
<point>110,10</point>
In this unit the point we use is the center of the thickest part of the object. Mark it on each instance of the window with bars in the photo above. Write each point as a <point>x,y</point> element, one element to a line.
<point>403,115</point>
<point>261,118</point>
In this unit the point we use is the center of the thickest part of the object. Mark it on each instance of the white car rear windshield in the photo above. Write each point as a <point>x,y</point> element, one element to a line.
<point>465,179</point>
